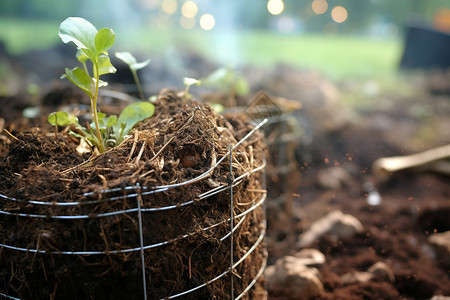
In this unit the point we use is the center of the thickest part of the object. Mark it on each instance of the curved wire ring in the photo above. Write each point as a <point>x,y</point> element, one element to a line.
<point>243,214</point>
<point>153,190</point>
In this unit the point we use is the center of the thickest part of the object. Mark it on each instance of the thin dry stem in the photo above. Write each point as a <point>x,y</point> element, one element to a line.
<point>138,158</point>
<point>10,134</point>
<point>136,137</point>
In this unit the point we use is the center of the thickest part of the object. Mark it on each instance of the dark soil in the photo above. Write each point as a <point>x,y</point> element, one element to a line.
<point>396,233</point>
<point>414,204</point>
<point>181,142</point>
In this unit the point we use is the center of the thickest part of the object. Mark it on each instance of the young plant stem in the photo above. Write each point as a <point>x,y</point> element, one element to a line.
<point>138,84</point>
<point>94,110</point>
<point>56,126</point>
<point>186,93</point>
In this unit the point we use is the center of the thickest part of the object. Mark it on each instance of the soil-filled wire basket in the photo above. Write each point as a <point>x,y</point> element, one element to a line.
<point>175,211</point>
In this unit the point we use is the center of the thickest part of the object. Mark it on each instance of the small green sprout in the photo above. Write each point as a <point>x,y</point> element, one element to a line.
<point>113,130</point>
<point>188,82</point>
<point>217,107</point>
<point>129,59</point>
<point>92,45</point>
<point>227,81</point>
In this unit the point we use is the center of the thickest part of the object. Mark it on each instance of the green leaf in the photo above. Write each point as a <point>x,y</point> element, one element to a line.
<point>112,120</point>
<point>81,56</point>
<point>62,118</point>
<point>191,81</point>
<point>104,39</point>
<point>80,78</point>
<point>101,121</point>
<point>100,83</point>
<point>105,66</point>
<point>89,137</point>
<point>217,107</point>
<point>126,57</point>
<point>130,116</point>
<point>80,136</point>
<point>82,33</point>
<point>91,54</point>
<point>100,116</point>
<point>141,65</point>
<point>77,135</point>
<point>130,60</point>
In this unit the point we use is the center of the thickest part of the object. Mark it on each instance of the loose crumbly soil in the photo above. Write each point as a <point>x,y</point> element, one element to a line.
<point>414,204</point>
<point>179,143</point>
<point>395,232</point>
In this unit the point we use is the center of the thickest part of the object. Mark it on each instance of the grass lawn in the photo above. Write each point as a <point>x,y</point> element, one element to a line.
<point>22,35</point>
<point>336,56</point>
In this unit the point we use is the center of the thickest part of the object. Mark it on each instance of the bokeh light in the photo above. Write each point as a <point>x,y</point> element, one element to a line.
<point>339,14</point>
<point>189,9</point>
<point>169,6</point>
<point>207,22</point>
<point>319,6</point>
<point>275,7</point>
<point>441,19</point>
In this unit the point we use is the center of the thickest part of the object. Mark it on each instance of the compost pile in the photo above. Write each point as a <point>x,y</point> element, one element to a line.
<point>330,146</point>
<point>71,226</point>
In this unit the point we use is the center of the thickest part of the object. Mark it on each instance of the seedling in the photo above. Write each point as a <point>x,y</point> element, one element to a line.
<point>92,45</point>
<point>113,130</point>
<point>188,82</point>
<point>129,59</point>
<point>227,81</point>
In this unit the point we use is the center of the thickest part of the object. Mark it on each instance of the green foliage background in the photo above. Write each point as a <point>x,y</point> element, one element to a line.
<point>349,50</point>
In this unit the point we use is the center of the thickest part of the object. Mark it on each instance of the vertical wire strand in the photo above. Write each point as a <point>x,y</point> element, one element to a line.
<point>141,239</point>
<point>231,224</point>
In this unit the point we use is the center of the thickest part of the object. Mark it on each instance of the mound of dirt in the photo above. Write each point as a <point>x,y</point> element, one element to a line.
<point>78,229</point>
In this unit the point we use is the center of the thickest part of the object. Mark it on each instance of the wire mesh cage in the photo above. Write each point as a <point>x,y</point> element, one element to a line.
<point>197,239</point>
